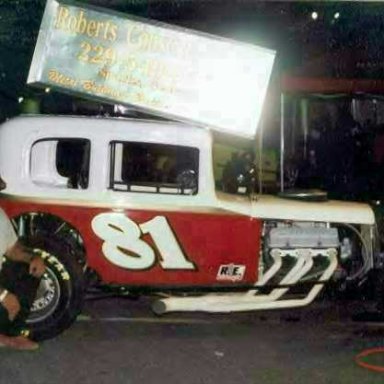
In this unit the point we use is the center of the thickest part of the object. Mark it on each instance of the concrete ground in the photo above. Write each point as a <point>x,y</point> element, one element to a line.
<point>121,341</point>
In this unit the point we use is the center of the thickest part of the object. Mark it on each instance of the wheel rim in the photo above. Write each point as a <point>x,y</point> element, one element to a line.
<point>47,297</point>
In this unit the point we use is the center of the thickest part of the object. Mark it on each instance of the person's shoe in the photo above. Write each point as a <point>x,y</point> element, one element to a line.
<point>20,343</point>
<point>4,341</point>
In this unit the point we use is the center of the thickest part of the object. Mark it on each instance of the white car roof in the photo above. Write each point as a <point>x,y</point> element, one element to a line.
<point>111,128</point>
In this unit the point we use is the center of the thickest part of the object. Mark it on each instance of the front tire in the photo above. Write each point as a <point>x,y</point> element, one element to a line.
<point>59,298</point>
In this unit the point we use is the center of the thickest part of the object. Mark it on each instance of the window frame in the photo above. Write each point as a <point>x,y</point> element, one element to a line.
<point>47,183</point>
<point>154,187</point>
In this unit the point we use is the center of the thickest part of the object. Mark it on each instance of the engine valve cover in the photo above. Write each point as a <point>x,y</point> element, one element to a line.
<point>299,237</point>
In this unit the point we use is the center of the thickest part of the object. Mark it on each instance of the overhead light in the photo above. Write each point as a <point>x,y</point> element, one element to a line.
<point>47,90</point>
<point>336,15</point>
<point>20,99</point>
<point>314,15</point>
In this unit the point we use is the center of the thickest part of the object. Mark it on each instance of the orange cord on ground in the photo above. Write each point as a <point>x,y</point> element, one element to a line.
<point>370,352</point>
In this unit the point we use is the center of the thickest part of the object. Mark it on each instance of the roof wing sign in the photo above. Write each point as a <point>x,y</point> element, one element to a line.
<point>158,68</point>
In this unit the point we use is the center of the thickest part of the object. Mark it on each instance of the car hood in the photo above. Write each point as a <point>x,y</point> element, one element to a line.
<point>273,207</point>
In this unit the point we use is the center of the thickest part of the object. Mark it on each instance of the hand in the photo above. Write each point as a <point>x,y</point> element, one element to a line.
<point>37,267</point>
<point>12,305</point>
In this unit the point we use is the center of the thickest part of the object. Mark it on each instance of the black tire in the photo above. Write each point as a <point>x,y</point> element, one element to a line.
<point>60,296</point>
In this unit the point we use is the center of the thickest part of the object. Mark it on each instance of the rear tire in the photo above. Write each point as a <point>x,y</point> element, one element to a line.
<point>60,295</point>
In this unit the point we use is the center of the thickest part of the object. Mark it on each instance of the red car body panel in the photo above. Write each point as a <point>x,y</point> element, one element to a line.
<point>208,239</point>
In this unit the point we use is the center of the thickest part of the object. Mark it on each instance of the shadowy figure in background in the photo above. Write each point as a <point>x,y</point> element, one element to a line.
<point>309,172</point>
<point>339,150</point>
<point>378,162</point>
<point>312,171</point>
<point>363,177</point>
<point>347,128</point>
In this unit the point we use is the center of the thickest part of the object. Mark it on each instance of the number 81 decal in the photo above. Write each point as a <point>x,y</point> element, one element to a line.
<point>124,247</point>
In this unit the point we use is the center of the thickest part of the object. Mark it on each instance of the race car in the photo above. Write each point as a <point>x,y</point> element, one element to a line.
<point>132,206</point>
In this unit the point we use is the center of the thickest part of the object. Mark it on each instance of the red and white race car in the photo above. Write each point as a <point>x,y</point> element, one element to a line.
<point>134,204</point>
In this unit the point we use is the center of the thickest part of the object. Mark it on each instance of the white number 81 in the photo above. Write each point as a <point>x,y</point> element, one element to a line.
<point>124,247</point>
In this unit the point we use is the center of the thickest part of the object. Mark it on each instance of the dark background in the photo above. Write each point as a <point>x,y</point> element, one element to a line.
<point>349,46</point>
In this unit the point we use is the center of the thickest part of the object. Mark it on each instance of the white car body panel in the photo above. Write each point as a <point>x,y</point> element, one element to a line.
<point>101,131</point>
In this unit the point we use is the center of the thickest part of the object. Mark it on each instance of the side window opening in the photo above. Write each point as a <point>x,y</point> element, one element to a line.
<point>72,161</point>
<point>61,163</point>
<point>154,168</point>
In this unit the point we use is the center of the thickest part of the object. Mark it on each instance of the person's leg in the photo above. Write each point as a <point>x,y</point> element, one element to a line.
<point>4,321</point>
<point>15,277</point>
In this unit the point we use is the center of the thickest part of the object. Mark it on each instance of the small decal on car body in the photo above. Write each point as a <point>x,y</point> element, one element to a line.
<point>231,272</point>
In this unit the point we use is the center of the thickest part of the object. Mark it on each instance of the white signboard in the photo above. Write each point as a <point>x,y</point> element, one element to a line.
<point>169,71</point>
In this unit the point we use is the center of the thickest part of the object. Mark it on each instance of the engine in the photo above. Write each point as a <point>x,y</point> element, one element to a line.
<point>303,235</point>
<point>297,252</point>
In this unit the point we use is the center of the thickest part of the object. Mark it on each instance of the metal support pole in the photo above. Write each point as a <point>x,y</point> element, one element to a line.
<point>355,109</point>
<point>374,111</point>
<point>282,144</point>
<point>260,160</point>
<point>304,124</point>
